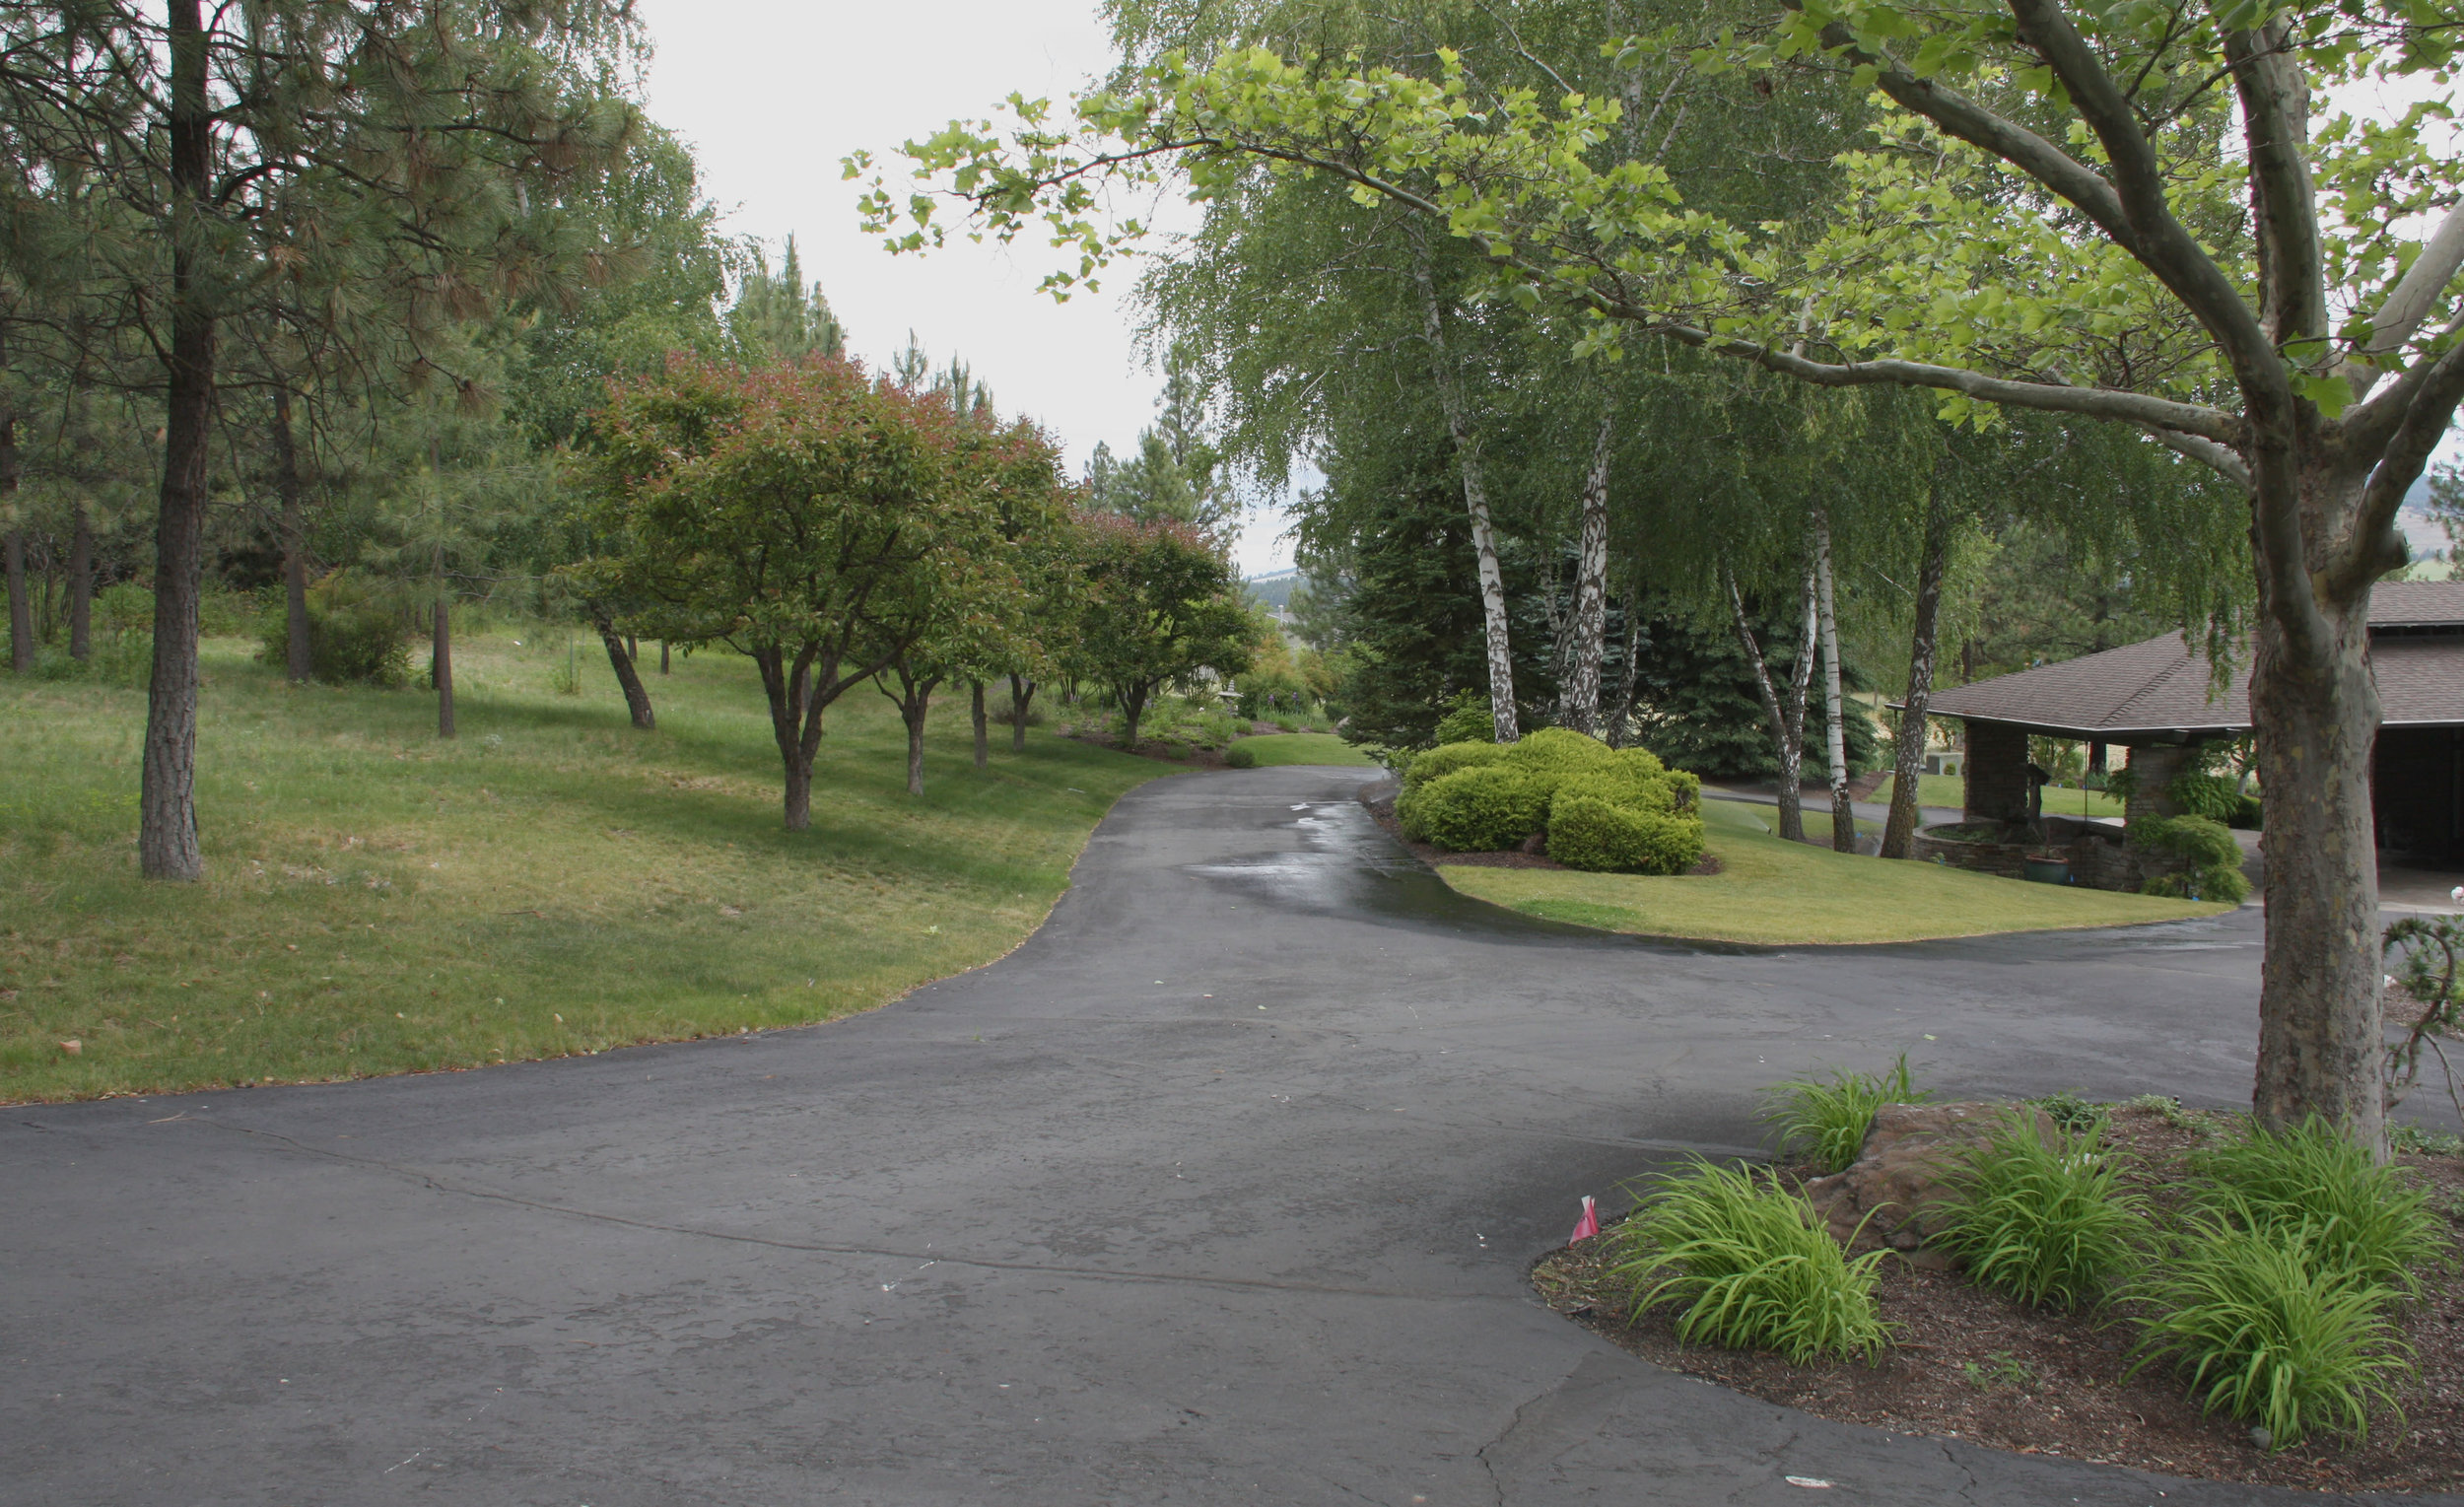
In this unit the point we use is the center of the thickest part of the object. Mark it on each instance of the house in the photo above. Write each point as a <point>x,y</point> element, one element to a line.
<point>2161,700</point>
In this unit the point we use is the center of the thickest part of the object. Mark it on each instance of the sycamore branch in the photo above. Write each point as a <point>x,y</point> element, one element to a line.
<point>2409,302</point>
<point>2374,546</point>
<point>2275,114</point>
<point>2219,458</point>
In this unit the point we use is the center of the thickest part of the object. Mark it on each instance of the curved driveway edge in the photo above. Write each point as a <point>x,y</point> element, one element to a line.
<point>1220,1189</point>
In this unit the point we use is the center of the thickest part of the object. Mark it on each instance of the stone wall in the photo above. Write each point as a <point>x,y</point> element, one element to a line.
<point>2099,857</point>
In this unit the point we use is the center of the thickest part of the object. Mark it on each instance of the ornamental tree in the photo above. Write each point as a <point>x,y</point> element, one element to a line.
<point>799,514</point>
<point>2172,216</point>
<point>1159,603</point>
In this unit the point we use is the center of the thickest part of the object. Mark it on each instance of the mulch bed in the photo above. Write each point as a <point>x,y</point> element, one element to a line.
<point>1970,1364</point>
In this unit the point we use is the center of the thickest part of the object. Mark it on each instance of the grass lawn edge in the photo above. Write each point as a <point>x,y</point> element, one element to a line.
<point>1764,945</point>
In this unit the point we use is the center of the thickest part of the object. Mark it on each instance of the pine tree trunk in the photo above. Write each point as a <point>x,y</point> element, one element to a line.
<point>1580,696</point>
<point>81,584</point>
<point>166,807</point>
<point>21,604</point>
<point>620,659</point>
<point>1501,702</point>
<point>1835,714</point>
<point>1908,757</point>
<point>1021,694</point>
<point>297,656</point>
<point>984,732</point>
<point>13,545</point>
<point>441,663</point>
<point>2320,1015</point>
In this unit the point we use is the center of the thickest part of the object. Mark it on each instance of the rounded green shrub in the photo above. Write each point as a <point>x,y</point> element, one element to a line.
<point>1619,787</point>
<point>1237,757</point>
<point>353,634</point>
<point>1685,788</point>
<point>1472,721</point>
<point>1589,833</point>
<point>1478,809</point>
<point>1586,832</point>
<point>2211,859</point>
<point>1560,750</point>
<point>1446,758</point>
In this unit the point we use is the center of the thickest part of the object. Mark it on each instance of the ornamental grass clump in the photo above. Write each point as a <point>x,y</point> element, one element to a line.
<point>1829,1117</point>
<point>2358,1215</point>
<point>2044,1220</point>
<point>1749,1266</point>
<point>2270,1330</point>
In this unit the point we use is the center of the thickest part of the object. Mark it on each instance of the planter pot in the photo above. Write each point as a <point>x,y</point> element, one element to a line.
<point>2047,870</point>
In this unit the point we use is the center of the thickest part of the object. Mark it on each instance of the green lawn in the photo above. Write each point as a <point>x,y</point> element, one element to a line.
<point>552,882</point>
<point>1952,791</point>
<point>1787,893</point>
<point>1303,748</point>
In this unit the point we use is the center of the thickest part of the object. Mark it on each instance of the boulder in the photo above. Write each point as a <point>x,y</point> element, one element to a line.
<point>1902,1174</point>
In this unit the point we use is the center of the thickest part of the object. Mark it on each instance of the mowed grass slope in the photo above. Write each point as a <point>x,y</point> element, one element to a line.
<point>1790,894</point>
<point>552,882</point>
<point>1278,748</point>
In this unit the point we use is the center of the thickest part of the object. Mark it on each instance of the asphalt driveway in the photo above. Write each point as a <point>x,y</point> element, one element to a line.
<point>1220,1189</point>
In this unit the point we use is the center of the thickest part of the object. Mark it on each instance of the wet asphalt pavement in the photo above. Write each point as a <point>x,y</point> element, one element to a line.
<point>1220,1189</point>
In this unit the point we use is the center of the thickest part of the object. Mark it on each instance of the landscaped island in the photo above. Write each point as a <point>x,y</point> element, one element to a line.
<point>1781,893</point>
<point>2134,1285</point>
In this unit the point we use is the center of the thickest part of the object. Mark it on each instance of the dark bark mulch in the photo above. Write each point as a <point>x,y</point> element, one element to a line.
<point>1972,1364</point>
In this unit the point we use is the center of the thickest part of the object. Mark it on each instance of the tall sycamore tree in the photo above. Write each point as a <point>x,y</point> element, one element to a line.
<point>2164,215</point>
<point>366,158</point>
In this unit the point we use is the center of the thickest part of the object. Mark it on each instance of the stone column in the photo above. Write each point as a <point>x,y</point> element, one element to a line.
<point>1997,773</point>
<point>2152,770</point>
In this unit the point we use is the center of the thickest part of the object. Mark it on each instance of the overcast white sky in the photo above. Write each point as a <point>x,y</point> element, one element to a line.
<point>772,94</point>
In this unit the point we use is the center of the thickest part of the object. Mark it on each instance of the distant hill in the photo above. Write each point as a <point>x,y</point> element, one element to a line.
<point>1275,588</point>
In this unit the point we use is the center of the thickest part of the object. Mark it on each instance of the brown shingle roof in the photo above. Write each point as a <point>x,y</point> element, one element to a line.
<point>2416,604</point>
<point>2161,687</point>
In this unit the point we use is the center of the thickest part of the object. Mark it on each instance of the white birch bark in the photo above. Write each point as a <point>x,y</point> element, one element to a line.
<point>1580,696</point>
<point>1835,730</point>
<point>1475,500</point>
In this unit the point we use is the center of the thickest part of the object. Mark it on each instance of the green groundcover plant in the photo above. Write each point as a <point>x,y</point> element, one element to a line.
<point>2270,1330</point>
<point>1750,1264</point>
<point>2044,1220</point>
<point>2358,1215</point>
<point>1828,1117</point>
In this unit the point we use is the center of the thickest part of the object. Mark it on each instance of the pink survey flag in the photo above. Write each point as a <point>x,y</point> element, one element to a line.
<point>1589,1225</point>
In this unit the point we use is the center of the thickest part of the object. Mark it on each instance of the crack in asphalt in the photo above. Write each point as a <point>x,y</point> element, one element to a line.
<point>438,1184</point>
